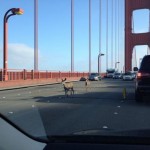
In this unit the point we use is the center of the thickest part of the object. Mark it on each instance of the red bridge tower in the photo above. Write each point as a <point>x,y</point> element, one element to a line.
<point>133,39</point>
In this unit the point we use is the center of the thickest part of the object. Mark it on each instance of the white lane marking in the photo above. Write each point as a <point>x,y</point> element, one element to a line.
<point>30,92</point>
<point>33,106</point>
<point>105,127</point>
<point>118,106</point>
<point>4,97</point>
<point>122,101</point>
<point>18,94</point>
<point>115,113</point>
<point>10,112</point>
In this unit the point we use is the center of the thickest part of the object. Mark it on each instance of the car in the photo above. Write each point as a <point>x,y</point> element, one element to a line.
<point>110,73</point>
<point>83,79</point>
<point>128,76</point>
<point>95,77</point>
<point>142,82</point>
<point>117,76</point>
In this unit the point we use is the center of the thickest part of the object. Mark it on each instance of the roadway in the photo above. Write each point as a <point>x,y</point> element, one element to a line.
<point>101,107</point>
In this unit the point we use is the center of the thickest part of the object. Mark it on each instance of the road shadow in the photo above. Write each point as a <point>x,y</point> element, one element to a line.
<point>81,98</point>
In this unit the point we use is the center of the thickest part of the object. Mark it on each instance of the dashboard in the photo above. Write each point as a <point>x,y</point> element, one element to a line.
<point>13,138</point>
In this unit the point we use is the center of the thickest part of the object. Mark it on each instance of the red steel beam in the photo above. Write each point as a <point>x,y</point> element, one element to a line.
<point>132,39</point>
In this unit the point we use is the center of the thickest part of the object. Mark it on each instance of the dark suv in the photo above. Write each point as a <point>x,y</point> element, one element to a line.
<point>143,79</point>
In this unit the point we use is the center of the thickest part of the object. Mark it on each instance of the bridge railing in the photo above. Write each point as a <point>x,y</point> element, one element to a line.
<point>14,74</point>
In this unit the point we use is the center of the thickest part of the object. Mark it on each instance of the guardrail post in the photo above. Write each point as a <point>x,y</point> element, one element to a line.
<point>46,74</point>
<point>24,74</point>
<point>1,75</point>
<point>39,74</point>
<point>32,74</point>
<point>59,74</point>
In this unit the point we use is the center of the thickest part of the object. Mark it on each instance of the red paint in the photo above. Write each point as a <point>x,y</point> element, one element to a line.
<point>132,39</point>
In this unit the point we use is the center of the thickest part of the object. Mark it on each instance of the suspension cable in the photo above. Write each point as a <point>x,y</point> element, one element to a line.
<point>89,36</point>
<point>118,34</point>
<point>115,33</point>
<point>107,34</point>
<point>100,29</point>
<point>112,35</point>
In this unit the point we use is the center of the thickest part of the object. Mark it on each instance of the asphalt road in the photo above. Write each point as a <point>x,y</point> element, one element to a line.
<point>101,107</point>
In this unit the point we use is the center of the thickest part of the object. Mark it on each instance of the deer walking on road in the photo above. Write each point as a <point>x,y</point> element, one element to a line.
<point>87,84</point>
<point>68,86</point>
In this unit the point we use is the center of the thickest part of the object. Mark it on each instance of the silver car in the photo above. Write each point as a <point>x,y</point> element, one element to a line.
<point>128,76</point>
<point>94,77</point>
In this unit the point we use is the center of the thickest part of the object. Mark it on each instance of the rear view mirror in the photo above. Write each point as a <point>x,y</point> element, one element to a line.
<point>135,69</point>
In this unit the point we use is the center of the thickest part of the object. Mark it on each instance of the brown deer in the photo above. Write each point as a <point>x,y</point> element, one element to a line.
<point>68,86</point>
<point>87,83</point>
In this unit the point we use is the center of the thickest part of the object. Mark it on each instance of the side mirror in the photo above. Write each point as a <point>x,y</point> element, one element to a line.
<point>135,69</point>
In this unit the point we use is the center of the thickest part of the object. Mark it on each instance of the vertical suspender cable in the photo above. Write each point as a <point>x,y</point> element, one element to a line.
<point>118,35</point>
<point>148,48</point>
<point>100,29</point>
<point>106,34</point>
<point>36,35</point>
<point>89,36</point>
<point>112,35</point>
<point>72,35</point>
<point>115,33</point>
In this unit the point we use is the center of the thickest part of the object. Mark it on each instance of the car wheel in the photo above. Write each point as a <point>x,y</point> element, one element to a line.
<point>138,96</point>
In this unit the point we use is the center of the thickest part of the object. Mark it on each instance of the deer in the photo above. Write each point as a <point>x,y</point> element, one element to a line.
<point>87,83</point>
<point>68,86</point>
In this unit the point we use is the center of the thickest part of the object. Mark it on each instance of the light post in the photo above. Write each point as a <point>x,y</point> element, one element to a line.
<point>12,11</point>
<point>116,64</point>
<point>99,62</point>
<point>72,36</point>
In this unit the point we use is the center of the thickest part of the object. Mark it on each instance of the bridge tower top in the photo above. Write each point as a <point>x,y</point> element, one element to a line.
<point>132,39</point>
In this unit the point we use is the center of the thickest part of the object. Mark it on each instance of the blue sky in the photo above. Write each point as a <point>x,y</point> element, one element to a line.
<point>55,34</point>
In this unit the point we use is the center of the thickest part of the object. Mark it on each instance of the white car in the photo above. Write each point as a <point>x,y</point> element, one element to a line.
<point>94,77</point>
<point>128,76</point>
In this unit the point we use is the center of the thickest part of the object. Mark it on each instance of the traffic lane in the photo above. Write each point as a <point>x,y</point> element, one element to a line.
<point>8,94</point>
<point>95,111</point>
<point>54,89</point>
<point>92,110</point>
<point>20,105</point>
<point>77,113</point>
<point>85,110</point>
<point>24,99</point>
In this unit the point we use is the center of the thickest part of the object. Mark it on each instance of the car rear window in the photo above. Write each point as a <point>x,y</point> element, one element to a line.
<point>94,74</point>
<point>145,64</point>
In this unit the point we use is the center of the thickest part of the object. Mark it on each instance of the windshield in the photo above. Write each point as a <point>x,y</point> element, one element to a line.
<point>146,67</point>
<point>94,74</point>
<point>128,73</point>
<point>50,48</point>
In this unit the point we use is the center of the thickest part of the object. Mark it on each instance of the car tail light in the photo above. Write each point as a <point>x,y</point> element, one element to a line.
<point>142,74</point>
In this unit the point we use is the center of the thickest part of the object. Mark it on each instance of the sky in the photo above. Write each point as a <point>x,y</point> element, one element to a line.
<point>54,34</point>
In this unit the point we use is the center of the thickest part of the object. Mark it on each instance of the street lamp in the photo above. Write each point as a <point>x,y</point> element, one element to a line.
<point>12,11</point>
<point>116,64</point>
<point>99,62</point>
